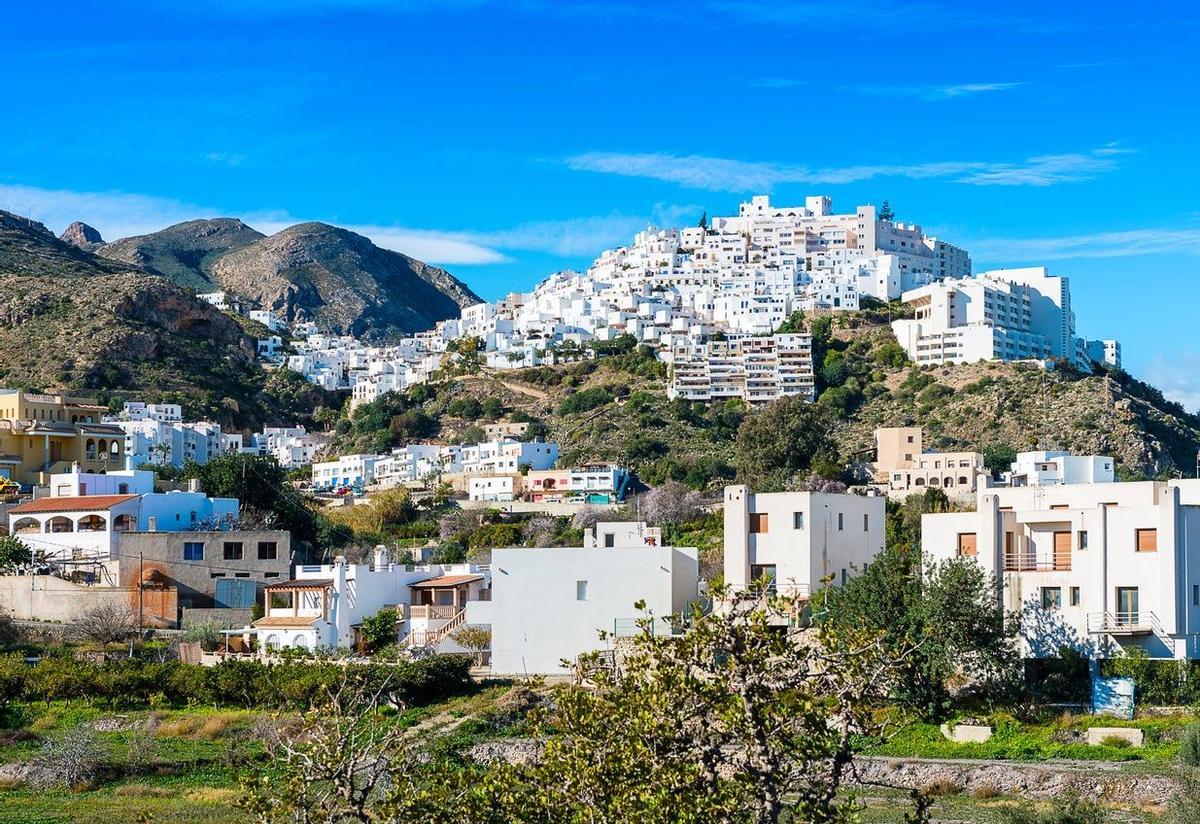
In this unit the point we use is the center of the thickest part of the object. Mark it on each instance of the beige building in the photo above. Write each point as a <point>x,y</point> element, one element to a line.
<point>41,434</point>
<point>905,468</point>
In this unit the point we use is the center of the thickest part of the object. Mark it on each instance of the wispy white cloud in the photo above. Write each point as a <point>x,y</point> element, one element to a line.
<point>719,174</point>
<point>225,158</point>
<point>1127,243</point>
<point>937,93</point>
<point>124,214</point>
<point>1178,376</point>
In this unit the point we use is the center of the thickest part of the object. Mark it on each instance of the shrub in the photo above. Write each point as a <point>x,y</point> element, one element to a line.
<point>586,400</point>
<point>985,791</point>
<point>940,787</point>
<point>1189,746</point>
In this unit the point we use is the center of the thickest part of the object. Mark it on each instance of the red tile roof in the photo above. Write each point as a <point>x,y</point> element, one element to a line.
<point>81,503</point>
<point>446,581</point>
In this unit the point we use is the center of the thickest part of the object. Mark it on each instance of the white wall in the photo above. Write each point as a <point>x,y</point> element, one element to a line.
<point>537,619</point>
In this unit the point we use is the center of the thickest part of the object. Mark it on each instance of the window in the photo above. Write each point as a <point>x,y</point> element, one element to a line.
<point>233,551</point>
<point>758,522</point>
<point>841,521</point>
<point>267,551</point>
<point>610,539</point>
<point>844,576</point>
<point>1058,506</point>
<point>193,551</point>
<point>270,574</point>
<point>798,520</point>
<point>216,575</point>
<point>1196,595</point>
<point>581,590</point>
<point>241,575</point>
<point>1147,540</point>
<point>866,522</point>
<point>1082,539</point>
<point>1074,596</point>
<point>1051,597</point>
<point>966,544</point>
<point>763,572</point>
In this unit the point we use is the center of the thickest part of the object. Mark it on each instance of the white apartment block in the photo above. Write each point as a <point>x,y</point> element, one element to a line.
<point>498,488</point>
<point>1093,567</point>
<point>346,472</point>
<point>755,369</point>
<point>1045,468</point>
<point>799,541</point>
<point>506,456</point>
<point>589,484</point>
<point>1006,314</point>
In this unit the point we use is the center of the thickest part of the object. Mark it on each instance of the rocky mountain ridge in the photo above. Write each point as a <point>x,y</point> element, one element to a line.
<point>314,271</point>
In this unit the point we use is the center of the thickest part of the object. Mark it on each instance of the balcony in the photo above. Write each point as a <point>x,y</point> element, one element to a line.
<point>1030,561</point>
<point>433,612</point>
<point>1142,622</point>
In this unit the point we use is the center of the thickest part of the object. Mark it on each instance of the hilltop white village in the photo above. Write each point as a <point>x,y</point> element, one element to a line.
<point>1111,563</point>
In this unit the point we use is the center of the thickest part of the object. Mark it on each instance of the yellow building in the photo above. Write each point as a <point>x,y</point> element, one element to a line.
<point>40,434</point>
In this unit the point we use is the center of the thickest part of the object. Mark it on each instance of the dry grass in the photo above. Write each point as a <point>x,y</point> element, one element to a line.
<point>142,791</point>
<point>7,784</point>
<point>985,791</point>
<point>941,786</point>
<point>206,727</point>
<point>211,795</point>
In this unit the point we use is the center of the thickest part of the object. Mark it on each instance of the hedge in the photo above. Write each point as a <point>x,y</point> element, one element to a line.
<point>231,683</point>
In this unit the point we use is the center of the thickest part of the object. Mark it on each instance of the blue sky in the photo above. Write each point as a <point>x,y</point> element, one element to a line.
<point>509,140</point>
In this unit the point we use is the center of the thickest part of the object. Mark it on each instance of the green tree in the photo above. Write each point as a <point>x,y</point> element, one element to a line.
<point>998,458</point>
<point>13,553</point>
<point>379,630</point>
<point>885,212</point>
<point>949,613</point>
<point>781,440</point>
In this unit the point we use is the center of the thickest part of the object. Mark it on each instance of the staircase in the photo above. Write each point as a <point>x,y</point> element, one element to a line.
<point>432,638</point>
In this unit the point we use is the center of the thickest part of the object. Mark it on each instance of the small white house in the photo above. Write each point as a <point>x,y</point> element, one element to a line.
<point>799,540</point>
<point>1054,468</point>
<point>499,488</point>
<point>548,606</point>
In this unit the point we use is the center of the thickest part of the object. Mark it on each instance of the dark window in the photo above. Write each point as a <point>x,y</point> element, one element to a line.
<point>270,574</point>
<point>233,551</point>
<point>841,521</point>
<point>758,522</point>
<point>866,522</point>
<point>798,520</point>
<point>267,551</point>
<point>193,551</point>
<point>610,539</point>
<point>241,575</point>
<point>1074,596</point>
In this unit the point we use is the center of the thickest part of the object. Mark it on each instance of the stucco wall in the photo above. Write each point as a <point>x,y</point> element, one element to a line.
<point>47,598</point>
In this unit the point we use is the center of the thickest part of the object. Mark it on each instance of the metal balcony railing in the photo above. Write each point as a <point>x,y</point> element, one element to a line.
<point>1029,561</point>
<point>1141,622</point>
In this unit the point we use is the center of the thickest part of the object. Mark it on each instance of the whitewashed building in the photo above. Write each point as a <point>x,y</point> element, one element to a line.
<point>1092,567</point>
<point>798,541</point>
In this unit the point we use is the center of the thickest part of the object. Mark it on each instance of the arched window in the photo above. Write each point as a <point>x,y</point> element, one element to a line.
<point>272,642</point>
<point>962,480</point>
<point>92,523</point>
<point>919,482</point>
<point>934,481</point>
<point>60,523</point>
<point>948,482</point>
<point>300,642</point>
<point>27,525</point>
<point>123,523</point>
<point>89,450</point>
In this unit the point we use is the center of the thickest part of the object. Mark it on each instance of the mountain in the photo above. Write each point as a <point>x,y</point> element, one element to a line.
<point>184,253</point>
<point>72,321</point>
<point>313,270</point>
<point>341,280</point>
<point>81,235</point>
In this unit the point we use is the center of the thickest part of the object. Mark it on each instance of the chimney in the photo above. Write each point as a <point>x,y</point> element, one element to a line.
<point>193,485</point>
<point>381,558</point>
<point>152,524</point>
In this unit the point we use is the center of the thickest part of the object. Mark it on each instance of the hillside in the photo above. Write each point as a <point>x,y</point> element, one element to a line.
<point>319,272</point>
<point>615,408</point>
<point>183,253</point>
<point>343,281</point>
<point>72,321</point>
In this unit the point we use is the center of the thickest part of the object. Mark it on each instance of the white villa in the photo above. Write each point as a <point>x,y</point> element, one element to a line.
<point>799,541</point>
<point>1091,566</point>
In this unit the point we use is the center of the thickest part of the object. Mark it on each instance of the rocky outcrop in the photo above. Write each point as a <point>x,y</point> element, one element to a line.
<point>343,281</point>
<point>81,235</point>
